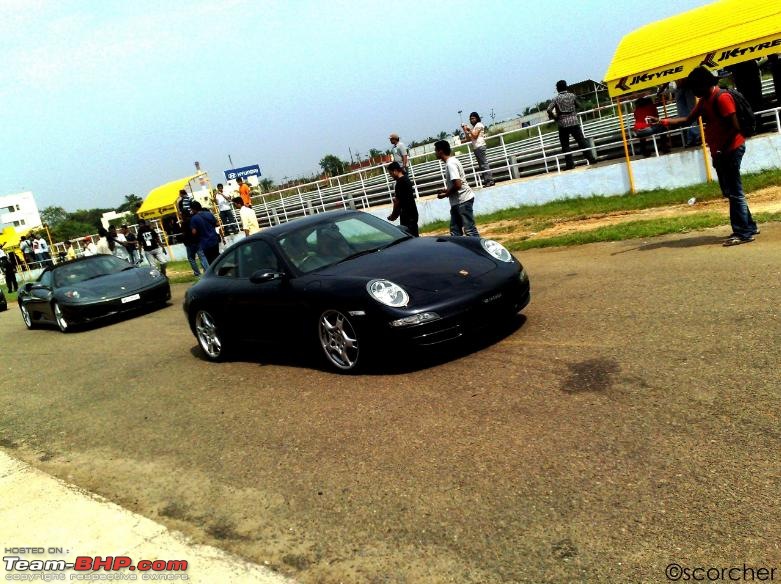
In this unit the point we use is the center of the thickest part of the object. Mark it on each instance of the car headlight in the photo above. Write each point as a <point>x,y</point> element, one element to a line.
<point>496,250</point>
<point>387,293</point>
<point>72,294</point>
<point>154,273</point>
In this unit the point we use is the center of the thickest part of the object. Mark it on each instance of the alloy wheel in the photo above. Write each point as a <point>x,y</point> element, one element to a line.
<point>26,317</point>
<point>208,335</point>
<point>60,318</point>
<point>339,340</point>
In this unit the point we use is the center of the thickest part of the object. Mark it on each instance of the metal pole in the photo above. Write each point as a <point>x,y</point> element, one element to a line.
<point>705,159</point>
<point>542,147</point>
<point>626,148</point>
<point>300,196</point>
<point>387,184</point>
<point>320,194</point>
<point>506,158</point>
<point>341,192</point>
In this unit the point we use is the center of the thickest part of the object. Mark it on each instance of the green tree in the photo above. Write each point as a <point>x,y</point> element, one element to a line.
<point>374,153</point>
<point>443,135</point>
<point>267,184</point>
<point>53,216</point>
<point>131,203</point>
<point>332,165</point>
<point>70,229</point>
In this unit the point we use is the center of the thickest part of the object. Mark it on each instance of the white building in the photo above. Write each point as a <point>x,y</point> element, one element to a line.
<point>19,211</point>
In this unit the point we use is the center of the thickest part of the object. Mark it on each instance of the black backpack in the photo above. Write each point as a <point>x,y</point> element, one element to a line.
<point>746,118</point>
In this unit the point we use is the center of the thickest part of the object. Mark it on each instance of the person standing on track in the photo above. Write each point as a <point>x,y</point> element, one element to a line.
<point>727,146</point>
<point>564,109</point>
<point>204,227</point>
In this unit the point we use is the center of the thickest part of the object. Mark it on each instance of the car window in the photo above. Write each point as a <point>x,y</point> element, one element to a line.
<point>256,255</point>
<point>330,242</point>
<point>361,234</point>
<point>226,267</point>
<point>47,278</point>
<point>94,267</point>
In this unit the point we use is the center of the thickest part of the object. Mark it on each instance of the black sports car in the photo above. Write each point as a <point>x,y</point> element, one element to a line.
<point>354,284</point>
<point>90,288</point>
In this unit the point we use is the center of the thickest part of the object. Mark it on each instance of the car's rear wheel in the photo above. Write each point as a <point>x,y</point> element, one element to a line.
<point>60,319</point>
<point>209,336</point>
<point>339,340</point>
<point>26,316</point>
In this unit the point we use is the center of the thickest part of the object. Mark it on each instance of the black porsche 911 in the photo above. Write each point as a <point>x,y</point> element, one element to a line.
<point>354,284</point>
<point>86,289</point>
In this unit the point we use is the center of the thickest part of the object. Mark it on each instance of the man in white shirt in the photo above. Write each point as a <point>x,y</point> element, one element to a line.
<point>89,247</point>
<point>43,249</point>
<point>462,217</point>
<point>226,210</point>
<point>249,221</point>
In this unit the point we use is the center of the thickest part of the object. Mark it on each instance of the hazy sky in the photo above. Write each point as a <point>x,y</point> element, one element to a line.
<point>99,99</point>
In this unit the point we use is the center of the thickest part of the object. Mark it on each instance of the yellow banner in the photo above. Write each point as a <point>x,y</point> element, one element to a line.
<point>712,60</point>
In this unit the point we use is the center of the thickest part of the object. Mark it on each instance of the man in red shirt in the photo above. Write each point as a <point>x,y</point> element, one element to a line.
<point>726,145</point>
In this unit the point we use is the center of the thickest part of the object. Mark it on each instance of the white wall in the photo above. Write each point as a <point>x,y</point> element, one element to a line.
<point>27,213</point>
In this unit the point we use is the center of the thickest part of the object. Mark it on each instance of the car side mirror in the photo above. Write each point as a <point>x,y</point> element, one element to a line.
<point>265,275</point>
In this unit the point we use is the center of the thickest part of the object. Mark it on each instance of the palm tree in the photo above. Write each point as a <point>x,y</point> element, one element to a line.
<point>266,185</point>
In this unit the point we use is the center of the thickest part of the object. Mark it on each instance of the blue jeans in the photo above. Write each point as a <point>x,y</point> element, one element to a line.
<point>482,163</point>
<point>462,219</point>
<point>727,167</point>
<point>192,250</point>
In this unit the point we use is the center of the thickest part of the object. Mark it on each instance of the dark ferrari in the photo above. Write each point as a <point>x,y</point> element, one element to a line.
<point>90,288</point>
<point>353,285</point>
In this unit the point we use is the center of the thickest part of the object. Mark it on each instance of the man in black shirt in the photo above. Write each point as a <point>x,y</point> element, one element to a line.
<point>151,246</point>
<point>404,200</point>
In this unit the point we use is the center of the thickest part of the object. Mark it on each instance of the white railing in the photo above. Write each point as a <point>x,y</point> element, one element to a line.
<point>513,157</point>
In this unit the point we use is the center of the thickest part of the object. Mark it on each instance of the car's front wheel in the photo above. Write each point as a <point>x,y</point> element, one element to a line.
<point>209,336</point>
<point>339,340</point>
<point>60,319</point>
<point>26,316</point>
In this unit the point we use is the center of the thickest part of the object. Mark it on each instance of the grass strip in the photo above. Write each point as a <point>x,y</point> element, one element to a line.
<point>634,230</point>
<point>536,217</point>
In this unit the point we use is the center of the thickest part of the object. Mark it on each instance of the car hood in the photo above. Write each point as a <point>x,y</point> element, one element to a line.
<point>113,285</point>
<point>425,263</point>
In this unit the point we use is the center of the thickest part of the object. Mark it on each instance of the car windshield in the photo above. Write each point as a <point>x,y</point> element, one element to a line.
<point>330,242</point>
<point>94,267</point>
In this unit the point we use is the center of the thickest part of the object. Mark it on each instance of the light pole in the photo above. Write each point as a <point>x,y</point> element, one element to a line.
<point>460,118</point>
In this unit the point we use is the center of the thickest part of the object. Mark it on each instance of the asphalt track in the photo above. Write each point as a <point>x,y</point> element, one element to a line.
<point>630,421</point>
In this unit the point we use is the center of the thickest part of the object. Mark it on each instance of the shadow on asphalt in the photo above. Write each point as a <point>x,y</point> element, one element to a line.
<point>101,322</point>
<point>400,360</point>
<point>677,243</point>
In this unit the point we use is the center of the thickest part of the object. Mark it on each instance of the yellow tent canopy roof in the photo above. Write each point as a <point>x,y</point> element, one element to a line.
<point>11,238</point>
<point>716,35</point>
<point>162,200</point>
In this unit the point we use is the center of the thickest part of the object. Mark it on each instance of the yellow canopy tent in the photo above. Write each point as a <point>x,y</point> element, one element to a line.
<point>716,35</point>
<point>11,238</point>
<point>162,200</point>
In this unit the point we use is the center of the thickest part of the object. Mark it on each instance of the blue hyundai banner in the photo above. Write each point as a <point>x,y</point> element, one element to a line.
<point>243,172</point>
